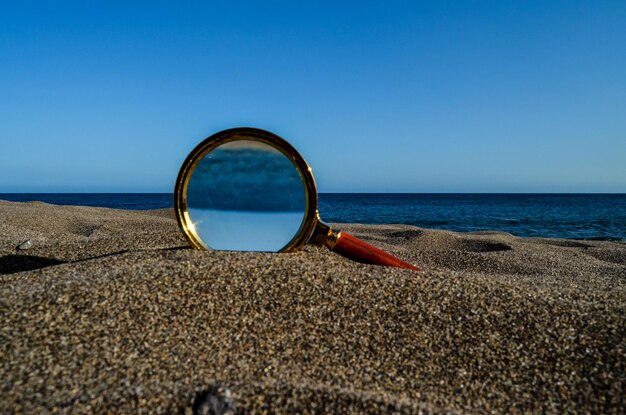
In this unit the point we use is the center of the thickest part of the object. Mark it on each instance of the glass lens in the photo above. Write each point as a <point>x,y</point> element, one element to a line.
<point>246,196</point>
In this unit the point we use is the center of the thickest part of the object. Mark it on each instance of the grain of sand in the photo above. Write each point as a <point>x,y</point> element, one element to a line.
<point>110,311</point>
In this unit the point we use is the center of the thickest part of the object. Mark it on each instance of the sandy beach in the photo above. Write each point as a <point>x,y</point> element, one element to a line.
<point>111,311</point>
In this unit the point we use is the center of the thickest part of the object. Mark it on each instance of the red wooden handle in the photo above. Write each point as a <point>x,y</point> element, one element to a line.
<point>360,251</point>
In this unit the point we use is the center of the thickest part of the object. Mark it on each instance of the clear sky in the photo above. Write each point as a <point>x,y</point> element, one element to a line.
<point>385,96</point>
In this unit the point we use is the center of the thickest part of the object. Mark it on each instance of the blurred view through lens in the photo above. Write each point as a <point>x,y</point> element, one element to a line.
<point>246,195</point>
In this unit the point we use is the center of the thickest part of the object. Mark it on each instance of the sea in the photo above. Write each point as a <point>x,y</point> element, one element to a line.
<point>572,216</point>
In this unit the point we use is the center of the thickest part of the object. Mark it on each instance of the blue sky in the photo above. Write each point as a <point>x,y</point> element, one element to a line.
<point>394,96</point>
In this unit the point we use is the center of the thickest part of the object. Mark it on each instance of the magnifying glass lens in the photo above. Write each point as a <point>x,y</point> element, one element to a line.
<point>246,195</point>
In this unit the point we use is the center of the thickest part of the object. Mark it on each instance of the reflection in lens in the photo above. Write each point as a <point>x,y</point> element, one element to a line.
<point>246,196</point>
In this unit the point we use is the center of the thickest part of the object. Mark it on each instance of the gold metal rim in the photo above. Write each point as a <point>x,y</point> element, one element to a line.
<point>253,134</point>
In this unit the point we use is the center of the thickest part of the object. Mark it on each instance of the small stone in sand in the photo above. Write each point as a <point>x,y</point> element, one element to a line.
<point>25,245</point>
<point>216,400</point>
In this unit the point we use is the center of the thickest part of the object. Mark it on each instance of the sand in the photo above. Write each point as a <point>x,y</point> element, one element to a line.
<point>110,311</point>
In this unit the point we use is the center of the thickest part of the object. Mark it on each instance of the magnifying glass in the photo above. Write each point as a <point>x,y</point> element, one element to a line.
<point>246,189</point>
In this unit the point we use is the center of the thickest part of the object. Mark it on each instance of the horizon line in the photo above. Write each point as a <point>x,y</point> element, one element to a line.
<point>332,193</point>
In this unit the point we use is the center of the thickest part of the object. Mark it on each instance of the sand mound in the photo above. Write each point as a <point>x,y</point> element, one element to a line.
<point>109,311</point>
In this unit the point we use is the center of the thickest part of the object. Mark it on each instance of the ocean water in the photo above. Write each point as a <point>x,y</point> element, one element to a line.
<point>576,216</point>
